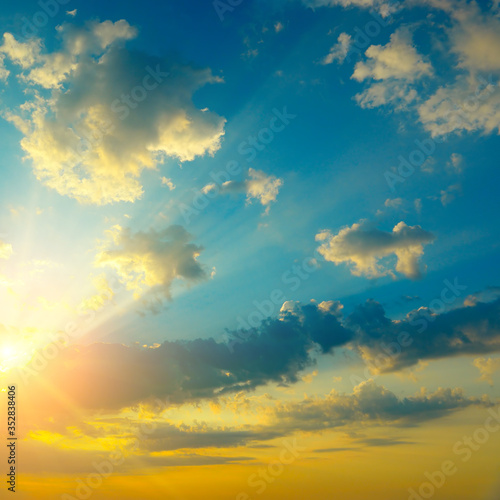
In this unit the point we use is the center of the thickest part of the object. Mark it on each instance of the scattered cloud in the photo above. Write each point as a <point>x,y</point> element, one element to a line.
<point>487,368</point>
<point>339,51</point>
<point>79,138</point>
<point>168,183</point>
<point>276,351</point>
<point>6,250</point>
<point>259,186</point>
<point>363,248</point>
<point>149,262</point>
<point>394,67</point>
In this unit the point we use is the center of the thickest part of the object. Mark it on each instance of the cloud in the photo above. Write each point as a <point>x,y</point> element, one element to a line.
<point>151,261</point>
<point>391,345</point>
<point>112,376</point>
<point>6,251</point>
<point>475,38</point>
<point>370,402</point>
<point>395,67</point>
<point>105,293</point>
<point>340,50</point>
<point>168,183</point>
<point>398,59</point>
<point>456,163</point>
<point>448,195</point>
<point>363,248</point>
<point>384,7</point>
<point>4,72</point>
<point>21,54</point>
<point>395,203</point>
<point>468,104</point>
<point>111,113</point>
<point>487,368</point>
<point>259,186</point>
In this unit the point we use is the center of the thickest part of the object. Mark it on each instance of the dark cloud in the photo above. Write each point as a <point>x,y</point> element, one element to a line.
<point>112,376</point>
<point>391,345</point>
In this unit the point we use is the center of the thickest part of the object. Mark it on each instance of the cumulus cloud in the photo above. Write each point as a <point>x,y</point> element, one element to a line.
<point>151,261</point>
<point>340,50</point>
<point>259,186</point>
<point>111,112</point>
<point>363,248</point>
<point>394,67</point>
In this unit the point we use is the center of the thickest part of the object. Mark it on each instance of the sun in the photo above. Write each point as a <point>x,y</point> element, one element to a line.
<point>8,352</point>
<point>11,356</point>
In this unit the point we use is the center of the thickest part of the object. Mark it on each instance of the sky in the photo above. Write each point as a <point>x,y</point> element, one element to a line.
<point>249,249</point>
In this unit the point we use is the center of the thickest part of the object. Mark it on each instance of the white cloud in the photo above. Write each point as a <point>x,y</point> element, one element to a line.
<point>340,50</point>
<point>468,104</point>
<point>118,113</point>
<point>394,67</point>
<point>259,186</point>
<point>363,248</point>
<point>384,7</point>
<point>168,182</point>
<point>398,59</point>
<point>395,203</point>
<point>150,262</point>
<point>22,54</point>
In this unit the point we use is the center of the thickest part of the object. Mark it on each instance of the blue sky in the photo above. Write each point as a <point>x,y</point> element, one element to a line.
<point>261,137</point>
